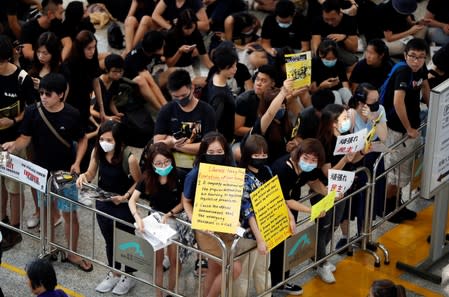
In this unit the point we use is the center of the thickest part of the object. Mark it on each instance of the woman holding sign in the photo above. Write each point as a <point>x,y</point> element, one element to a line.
<point>213,150</point>
<point>161,186</point>
<point>300,167</point>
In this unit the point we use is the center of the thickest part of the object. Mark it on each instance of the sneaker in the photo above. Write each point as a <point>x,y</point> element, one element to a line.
<point>290,289</point>
<point>108,283</point>
<point>10,240</point>
<point>33,221</point>
<point>325,274</point>
<point>124,285</point>
<point>330,266</point>
<point>166,263</point>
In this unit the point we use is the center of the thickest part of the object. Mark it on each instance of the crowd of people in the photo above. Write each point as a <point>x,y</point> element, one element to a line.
<point>66,106</point>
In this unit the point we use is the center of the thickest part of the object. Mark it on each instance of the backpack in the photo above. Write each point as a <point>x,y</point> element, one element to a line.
<point>115,36</point>
<point>384,88</point>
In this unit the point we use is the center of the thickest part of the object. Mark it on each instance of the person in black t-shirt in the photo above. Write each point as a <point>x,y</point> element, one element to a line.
<point>166,13</point>
<point>12,14</point>
<point>374,68</point>
<point>50,20</point>
<point>182,123</point>
<point>139,64</point>
<point>76,19</point>
<point>50,152</point>
<point>162,187</point>
<point>437,20</point>
<point>184,42</point>
<point>285,28</point>
<point>398,23</point>
<point>241,28</point>
<point>402,105</point>
<point>339,27</point>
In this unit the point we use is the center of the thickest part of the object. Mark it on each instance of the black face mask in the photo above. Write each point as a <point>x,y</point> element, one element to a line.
<point>184,101</point>
<point>214,159</point>
<point>374,106</point>
<point>258,163</point>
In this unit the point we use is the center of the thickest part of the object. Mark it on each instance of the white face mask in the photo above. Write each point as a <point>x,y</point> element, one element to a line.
<point>107,146</point>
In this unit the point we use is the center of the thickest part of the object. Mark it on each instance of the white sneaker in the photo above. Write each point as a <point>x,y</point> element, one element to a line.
<point>330,266</point>
<point>124,285</point>
<point>33,221</point>
<point>108,283</point>
<point>325,274</point>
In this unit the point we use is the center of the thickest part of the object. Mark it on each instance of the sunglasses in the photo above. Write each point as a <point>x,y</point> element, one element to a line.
<point>46,93</point>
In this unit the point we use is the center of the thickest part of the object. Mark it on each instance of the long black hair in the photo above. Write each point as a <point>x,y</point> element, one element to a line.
<point>207,140</point>
<point>117,133</point>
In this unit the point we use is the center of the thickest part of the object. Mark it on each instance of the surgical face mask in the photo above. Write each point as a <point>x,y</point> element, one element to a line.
<point>107,146</point>
<point>373,107</point>
<point>345,126</point>
<point>184,101</point>
<point>258,162</point>
<point>163,171</point>
<point>214,159</point>
<point>329,63</point>
<point>284,25</point>
<point>306,167</point>
<point>280,114</point>
<point>248,33</point>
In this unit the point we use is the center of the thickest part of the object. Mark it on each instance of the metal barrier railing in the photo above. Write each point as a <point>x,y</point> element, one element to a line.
<point>230,255</point>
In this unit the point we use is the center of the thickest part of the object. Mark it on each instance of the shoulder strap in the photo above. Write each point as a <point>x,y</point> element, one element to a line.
<point>50,126</point>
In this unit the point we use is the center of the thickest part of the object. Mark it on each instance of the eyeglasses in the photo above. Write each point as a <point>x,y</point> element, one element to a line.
<point>165,163</point>
<point>415,58</point>
<point>46,93</point>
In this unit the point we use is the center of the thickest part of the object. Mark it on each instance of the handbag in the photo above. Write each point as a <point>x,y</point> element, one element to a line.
<point>49,125</point>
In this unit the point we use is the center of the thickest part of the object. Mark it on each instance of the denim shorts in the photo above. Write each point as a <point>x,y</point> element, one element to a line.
<point>69,191</point>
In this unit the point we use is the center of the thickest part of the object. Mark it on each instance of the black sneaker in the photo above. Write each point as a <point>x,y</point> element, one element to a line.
<point>10,241</point>
<point>290,289</point>
<point>342,242</point>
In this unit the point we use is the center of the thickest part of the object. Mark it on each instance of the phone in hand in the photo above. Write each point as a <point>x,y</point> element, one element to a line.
<point>192,46</point>
<point>178,135</point>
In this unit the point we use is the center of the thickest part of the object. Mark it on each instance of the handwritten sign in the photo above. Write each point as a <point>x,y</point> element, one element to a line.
<point>26,172</point>
<point>299,68</point>
<point>340,180</point>
<point>324,205</point>
<point>271,212</point>
<point>350,143</point>
<point>218,198</point>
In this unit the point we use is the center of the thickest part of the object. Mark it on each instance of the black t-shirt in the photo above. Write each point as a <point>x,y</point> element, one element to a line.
<point>291,182</point>
<point>107,95</point>
<point>112,178</point>
<point>163,200</point>
<point>171,118</point>
<point>49,152</point>
<point>174,41</point>
<point>222,101</point>
<point>410,82</point>
<point>13,97</point>
<point>347,26</point>
<point>172,12</point>
<point>309,122</point>
<point>392,20</point>
<point>291,36</point>
<point>237,83</point>
<point>440,9</point>
<point>31,31</point>
<point>247,105</point>
<point>137,61</point>
<point>366,73</point>
<point>320,72</point>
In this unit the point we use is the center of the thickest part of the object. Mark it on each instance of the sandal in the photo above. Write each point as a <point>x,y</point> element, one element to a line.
<point>204,267</point>
<point>82,264</point>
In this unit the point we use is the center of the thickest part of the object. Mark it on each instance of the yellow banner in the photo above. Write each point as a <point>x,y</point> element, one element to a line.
<point>299,68</point>
<point>324,205</point>
<point>218,198</point>
<point>271,212</point>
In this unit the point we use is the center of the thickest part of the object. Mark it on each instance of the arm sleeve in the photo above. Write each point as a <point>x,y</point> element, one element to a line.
<point>26,127</point>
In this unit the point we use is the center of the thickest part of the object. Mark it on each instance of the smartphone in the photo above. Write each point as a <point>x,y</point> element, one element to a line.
<point>178,135</point>
<point>192,46</point>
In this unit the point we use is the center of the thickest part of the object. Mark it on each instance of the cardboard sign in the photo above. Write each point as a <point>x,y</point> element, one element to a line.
<point>350,143</point>
<point>299,68</point>
<point>218,198</point>
<point>271,212</point>
<point>325,204</point>
<point>26,172</point>
<point>340,180</point>
<point>300,247</point>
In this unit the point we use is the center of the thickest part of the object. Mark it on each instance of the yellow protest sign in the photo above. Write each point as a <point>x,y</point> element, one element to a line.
<point>218,198</point>
<point>271,212</point>
<point>324,205</point>
<point>299,68</point>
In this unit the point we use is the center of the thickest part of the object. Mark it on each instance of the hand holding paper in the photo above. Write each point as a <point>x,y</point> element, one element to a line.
<point>324,205</point>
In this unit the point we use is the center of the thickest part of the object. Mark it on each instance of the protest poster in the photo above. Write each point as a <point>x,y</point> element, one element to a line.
<point>25,172</point>
<point>271,212</point>
<point>218,198</point>
<point>340,180</point>
<point>324,204</point>
<point>350,143</point>
<point>299,68</point>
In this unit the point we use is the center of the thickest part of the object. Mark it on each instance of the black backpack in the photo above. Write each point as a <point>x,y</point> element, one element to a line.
<point>115,36</point>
